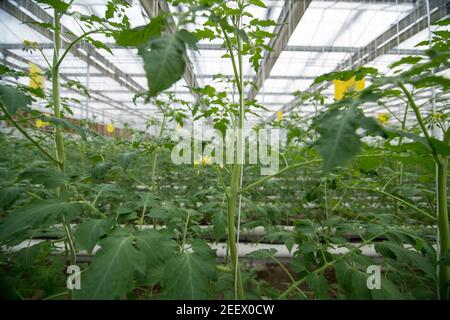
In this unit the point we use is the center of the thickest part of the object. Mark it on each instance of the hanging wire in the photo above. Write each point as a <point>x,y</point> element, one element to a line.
<point>238,227</point>
<point>433,132</point>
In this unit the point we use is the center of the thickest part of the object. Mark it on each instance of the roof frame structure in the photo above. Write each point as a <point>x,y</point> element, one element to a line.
<point>118,105</point>
<point>290,15</point>
<point>90,52</point>
<point>86,52</point>
<point>211,46</point>
<point>410,25</point>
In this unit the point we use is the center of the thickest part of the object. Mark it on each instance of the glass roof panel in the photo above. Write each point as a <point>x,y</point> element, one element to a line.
<point>328,33</point>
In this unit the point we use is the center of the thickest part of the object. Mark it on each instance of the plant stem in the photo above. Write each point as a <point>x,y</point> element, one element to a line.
<point>235,183</point>
<point>441,196</point>
<point>397,199</point>
<point>185,232</point>
<point>155,156</point>
<point>264,179</point>
<point>296,165</point>
<point>286,294</point>
<point>419,119</point>
<point>37,145</point>
<point>444,237</point>
<point>287,273</point>
<point>69,47</point>
<point>59,139</point>
<point>141,222</point>
<point>232,202</point>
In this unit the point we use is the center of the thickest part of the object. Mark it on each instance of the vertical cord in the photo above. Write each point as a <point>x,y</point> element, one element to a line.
<point>398,57</point>
<point>88,76</point>
<point>238,226</point>
<point>326,197</point>
<point>433,133</point>
<point>398,31</point>
<point>242,138</point>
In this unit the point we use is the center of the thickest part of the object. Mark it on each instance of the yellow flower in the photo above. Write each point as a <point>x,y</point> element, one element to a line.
<point>280,115</point>
<point>203,161</point>
<point>30,44</point>
<point>383,117</point>
<point>40,123</point>
<point>437,116</point>
<point>110,128</point>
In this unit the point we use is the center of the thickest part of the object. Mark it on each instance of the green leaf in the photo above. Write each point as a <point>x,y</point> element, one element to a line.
<point>124,159</point>
<point>353,281</point>
<point>440,146</point>
<point>112,271</point>
<point>432,81</point>
<point>344,275</point>
<point>319,284</point>
<point>188,274</point>
<point>98,44</point>
<point>157,247</point>
<point>242,34</point>
<point>219,221</point>
<point>408,256</point>
<point>409,135</point>
<point>26,257</point>
<point>8,196</point>
<point>388,291</point>
<point>442,33</point>
<point>338,142</point>
<point>188,38</point>
<point>370,163</point>
<point>204,33</point>
<point>405,60</point>
<point>164,63</point>
<point>13,99</point>
<point>263,23</point>
<point>359,285</point>
<point>345,75</point>
<point>90,231</point>
<point>142,34</point>
<point>50,178</point>
<point>39,213</point>
<point>262,253</point>
<point>443,22</point>
<point>66,124</point>
<point>99,171</point>
<point>258,3</point>
<point>56,4</point>
<point>445,259</point>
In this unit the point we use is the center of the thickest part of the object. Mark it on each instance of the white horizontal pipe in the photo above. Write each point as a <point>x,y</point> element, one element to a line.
<point>221,248</point>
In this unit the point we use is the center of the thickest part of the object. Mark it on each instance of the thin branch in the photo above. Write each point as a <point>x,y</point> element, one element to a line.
<point>28,136</point>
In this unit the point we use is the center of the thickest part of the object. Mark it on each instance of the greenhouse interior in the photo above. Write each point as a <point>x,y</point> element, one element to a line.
<point>224,150</point>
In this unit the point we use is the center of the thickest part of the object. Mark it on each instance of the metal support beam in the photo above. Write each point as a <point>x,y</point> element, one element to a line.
<point>203,76</point>
<point>392,2</point>
<point>410,25</point>
<point>288,20</point>
<point>320,49</point>
<point>212,46</point>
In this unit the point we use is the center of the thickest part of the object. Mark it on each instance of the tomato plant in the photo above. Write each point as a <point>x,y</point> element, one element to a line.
<point>353,192</point>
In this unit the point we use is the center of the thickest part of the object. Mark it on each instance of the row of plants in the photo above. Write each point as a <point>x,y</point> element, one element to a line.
<point>343,174</point>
